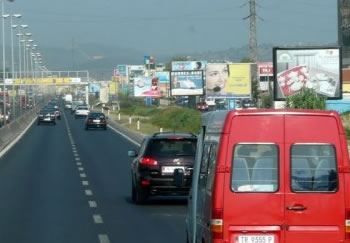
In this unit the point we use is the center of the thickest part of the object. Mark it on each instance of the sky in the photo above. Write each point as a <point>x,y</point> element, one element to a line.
<point>169,27</point>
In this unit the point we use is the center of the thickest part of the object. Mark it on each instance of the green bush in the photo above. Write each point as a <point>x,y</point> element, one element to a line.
<point>177,119</point>
<point>306,99</point>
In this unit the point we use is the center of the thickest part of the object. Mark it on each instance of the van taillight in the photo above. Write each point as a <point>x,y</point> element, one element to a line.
<point>148,161</point>
<point>217,224</point>
<point>347,224</point>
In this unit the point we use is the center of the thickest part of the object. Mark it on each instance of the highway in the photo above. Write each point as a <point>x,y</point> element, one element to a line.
<point>64,184</point>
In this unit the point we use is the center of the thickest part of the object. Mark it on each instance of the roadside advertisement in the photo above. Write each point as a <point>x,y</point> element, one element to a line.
<point>185,83</point>
<point>188,65</point>
<point>229,80</point>
<point>122,70</point>
<point>135,71</point>
<point>265,68</point>
<point>93,88</point>
<point>313,68</point>
<point>148,60</point>
<point>113,88</point>
<point>344,23</point>
<point>163,77</point>
<point>146,86</point>
<point>104,95</point>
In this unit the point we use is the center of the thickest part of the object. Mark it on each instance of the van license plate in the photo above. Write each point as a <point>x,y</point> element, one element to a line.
<point>171,169</point>
<point>255,239</point>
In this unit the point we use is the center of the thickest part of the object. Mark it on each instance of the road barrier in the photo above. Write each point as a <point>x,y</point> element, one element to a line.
<point>12,130</point>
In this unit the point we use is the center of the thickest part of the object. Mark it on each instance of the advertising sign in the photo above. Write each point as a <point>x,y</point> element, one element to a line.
<point>163,77</point>
<point>8,81</point>
<point>265,68</point>
<point>104,95</point>
<point>229,80</point>
<point>186,83</point>
<point>122,70</point>
<point>93,88</point>
<point>344,23</point>
<point>146,86</point>
<point>313,68</point>
<point>149,60</point>
<point>188,65</point>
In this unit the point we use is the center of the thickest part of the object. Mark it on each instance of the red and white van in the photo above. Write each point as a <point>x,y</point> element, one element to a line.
<point>270,176</point>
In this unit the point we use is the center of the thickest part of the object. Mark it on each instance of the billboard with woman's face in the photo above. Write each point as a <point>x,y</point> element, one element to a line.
<point>228,80</point>
<point>318,69</point>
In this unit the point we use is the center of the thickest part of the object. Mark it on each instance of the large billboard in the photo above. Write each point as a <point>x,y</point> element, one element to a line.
<point>186,83</point>
<point>229,80</point>
<point>344,23</point>
<point>188,65</point>
<point>146,86</point>
<point>314,68</point>
<point>163,77</point>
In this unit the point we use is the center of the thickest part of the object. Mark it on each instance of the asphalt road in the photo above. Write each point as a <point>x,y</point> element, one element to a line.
<point>62,184</point>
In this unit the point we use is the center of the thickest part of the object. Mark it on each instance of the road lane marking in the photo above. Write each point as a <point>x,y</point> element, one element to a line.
<point>124,136</point>
<point>77,159</point>
<point>79,163</point>
<point>88,193</point>
<point>82,175</point>
<point>103,239</point>
<point>97,219</point>
<point>85,183</point>
<point>80,168</point>
<point>92,204</point>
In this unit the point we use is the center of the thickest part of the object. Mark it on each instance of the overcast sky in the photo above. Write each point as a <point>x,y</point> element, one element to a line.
<point>164,26</point>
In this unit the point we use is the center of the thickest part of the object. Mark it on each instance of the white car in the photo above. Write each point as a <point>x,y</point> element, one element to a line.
<point>81,111</point>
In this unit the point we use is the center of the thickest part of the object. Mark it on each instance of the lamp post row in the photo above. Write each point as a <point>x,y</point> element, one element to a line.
<point>28,65</point>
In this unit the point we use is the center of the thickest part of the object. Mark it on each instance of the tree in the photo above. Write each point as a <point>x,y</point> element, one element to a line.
<point>306,99</point>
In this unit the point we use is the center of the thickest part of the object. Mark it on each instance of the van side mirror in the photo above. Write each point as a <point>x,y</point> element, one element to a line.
<point>179,177</point>
<point>132,153</point>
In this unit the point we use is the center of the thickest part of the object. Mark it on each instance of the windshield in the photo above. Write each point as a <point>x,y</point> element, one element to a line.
<point>172,147</point>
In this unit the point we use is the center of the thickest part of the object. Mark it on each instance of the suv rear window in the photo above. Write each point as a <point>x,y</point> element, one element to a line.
<point>313,168</point>
<point>255,168</point>
<point>171,147</point>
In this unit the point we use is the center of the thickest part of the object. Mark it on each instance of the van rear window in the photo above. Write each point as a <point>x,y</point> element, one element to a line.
<point>313,168</point>
<point>255,168</point>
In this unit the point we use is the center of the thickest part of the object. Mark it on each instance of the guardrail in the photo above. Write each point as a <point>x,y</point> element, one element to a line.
<point>12,130</point>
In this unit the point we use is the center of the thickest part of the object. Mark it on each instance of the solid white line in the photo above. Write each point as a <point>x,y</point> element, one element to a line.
<point>103,239</point>
<point>10,145</point>
<point>82,175</point>
<point>92,204</point>
<point>97,219</point>
<point>124,136</point>
<point>88,192</point>
<point>85,183</point>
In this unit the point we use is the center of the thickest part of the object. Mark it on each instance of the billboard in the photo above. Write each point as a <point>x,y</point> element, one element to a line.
<point>163,77</point>
<point>188,65</point>
<point>186,83</point>
<point>229,80</point>
<point>104,95</point>
<point>314,68</point>
<point>146,86</point>
<point>265,68</point>
<point>122,70</point>
<point>344,23</point>
<point>93,88</point>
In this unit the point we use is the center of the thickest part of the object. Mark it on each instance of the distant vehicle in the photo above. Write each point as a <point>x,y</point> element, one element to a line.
<point>210,101</point>
<point>47,115</point>
<point>76,103</point>
<point>202,106</point>
<point>58,114</point>
<point>81,110</point>
<point>270,176</point>
<point>160,155</point>
<point>53,103</point>
<point>95,120</point>
<point>68,105</point>
<point>68,98</point>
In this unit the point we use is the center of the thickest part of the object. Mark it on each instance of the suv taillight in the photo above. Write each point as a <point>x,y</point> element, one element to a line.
<point>217,223</point>
<point>103,120</point>
<point>148,161</point>
<point>347,224</point>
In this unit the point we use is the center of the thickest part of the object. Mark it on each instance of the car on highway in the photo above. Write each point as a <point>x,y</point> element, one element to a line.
<point>202,106</point>
<point>96,120</point>
<point>67,105</point>
<point>57,113</point>
<point>81,111</point>
<point>154,165</point>
<point>76,103</point>
<point>47,115</point>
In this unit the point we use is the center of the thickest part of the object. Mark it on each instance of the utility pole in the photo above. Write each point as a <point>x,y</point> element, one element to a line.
<point>253,43</point>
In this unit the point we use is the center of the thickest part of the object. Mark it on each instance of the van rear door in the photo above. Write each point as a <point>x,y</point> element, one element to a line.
<point>254,187</point>
<point>314,202</point>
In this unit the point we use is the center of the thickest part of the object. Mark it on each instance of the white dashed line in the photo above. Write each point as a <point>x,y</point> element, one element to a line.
<point>80,168</point>
<point>77,159</point>
<point>88,193</point>
<point>82,175</point>
<point>103,239</point>
<point>79,164</point>
<point>76,155</point>
<point>97,219</point>
<point>92,204</point>
<point>85,183</point>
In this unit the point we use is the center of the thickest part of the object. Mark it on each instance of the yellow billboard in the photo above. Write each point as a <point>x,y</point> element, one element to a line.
<point>113,88</point>
<point>239,80</point>
<point>43,81</point>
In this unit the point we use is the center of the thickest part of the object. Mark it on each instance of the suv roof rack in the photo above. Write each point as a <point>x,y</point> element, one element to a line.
<point>173,132</point>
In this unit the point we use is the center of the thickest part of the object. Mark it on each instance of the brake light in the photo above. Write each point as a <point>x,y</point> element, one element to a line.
<point>90,120</point>
<point>175,138</point>
<point>347,224</point>
<point>148,161</point>
<point>145,182</point>
<point>103,120</point>
<point>217,223</point>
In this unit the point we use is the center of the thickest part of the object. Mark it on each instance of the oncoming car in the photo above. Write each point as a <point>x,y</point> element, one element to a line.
<point>160,155</point>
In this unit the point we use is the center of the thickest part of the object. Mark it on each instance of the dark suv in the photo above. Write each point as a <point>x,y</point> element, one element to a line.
<point>160,155</point>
